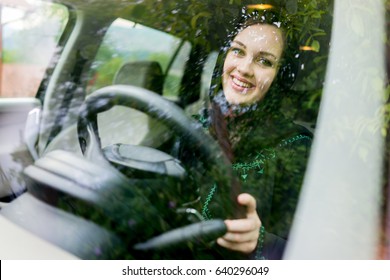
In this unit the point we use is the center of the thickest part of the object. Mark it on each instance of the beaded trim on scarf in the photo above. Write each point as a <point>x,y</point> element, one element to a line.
<point>260,244</point>
<point>205,209</point>
<point>244,168</point>
<point>262,156</point>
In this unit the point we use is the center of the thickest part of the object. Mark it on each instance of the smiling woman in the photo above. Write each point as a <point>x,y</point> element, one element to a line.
<point>252,63</point>
<point>268,151</point>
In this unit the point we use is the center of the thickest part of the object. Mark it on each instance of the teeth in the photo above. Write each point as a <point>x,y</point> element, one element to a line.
<point>241,84</point>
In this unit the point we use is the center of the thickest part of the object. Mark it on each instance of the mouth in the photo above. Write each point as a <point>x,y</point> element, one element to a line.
<point>240,85</point>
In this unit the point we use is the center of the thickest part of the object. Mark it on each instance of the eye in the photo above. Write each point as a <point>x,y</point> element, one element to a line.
<point>237,51</point>
<point>265,62</point>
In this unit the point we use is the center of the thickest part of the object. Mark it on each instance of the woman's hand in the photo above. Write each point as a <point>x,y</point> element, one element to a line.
<point>242,234</point>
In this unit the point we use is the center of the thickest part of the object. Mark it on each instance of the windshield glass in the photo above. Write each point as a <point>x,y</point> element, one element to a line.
<point>175,108</point>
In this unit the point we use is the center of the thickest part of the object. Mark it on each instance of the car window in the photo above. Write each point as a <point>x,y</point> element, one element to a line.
<point>180,146</point>
<point>131,44</point>
<point>29,34</point>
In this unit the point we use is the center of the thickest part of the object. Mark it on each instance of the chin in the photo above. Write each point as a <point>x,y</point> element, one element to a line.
<point>240,99</point>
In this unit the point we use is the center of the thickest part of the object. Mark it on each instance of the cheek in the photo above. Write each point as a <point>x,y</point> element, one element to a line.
<point>265,79</point>
<point>227,69</point>
<point>229,64</point>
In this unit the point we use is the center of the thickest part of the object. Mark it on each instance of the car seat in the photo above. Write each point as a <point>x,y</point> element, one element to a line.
<point>125,125</point>
<point>146,74</point>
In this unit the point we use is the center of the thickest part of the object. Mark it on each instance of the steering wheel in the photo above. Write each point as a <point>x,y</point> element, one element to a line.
<point>210,154</point>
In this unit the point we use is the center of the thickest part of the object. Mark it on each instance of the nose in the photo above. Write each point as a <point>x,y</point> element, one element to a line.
<point>244,66</point>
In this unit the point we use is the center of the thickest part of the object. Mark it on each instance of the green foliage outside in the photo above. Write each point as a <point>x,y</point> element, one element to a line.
<point>12,56</point>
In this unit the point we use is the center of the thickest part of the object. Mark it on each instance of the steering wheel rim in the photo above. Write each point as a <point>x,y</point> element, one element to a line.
<point>174,118</point>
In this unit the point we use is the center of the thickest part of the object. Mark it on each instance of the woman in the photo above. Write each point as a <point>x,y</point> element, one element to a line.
<point>267,150</point>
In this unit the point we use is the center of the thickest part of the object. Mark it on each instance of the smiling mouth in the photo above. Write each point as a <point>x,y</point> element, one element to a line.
<point>241,86</point>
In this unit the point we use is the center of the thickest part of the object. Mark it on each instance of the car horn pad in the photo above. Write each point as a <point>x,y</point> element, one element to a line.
<point>143,161</point>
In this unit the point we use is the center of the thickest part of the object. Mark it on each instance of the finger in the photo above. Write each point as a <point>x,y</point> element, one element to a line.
<point>243,225</point>
<point>250,236</point>
<point>247,200</point>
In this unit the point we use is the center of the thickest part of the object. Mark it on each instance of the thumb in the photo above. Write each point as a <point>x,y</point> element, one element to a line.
<point>248,201</point>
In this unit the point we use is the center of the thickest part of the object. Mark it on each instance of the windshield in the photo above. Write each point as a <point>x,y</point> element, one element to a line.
<point>192,103</point>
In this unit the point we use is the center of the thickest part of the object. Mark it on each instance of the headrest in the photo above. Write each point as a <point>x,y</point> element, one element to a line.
<point>145,74</point>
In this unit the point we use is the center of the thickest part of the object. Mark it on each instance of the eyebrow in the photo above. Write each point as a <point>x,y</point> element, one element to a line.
<point>261,52</point>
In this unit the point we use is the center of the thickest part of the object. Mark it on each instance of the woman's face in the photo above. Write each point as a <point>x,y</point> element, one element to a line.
<point>251,63</point>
